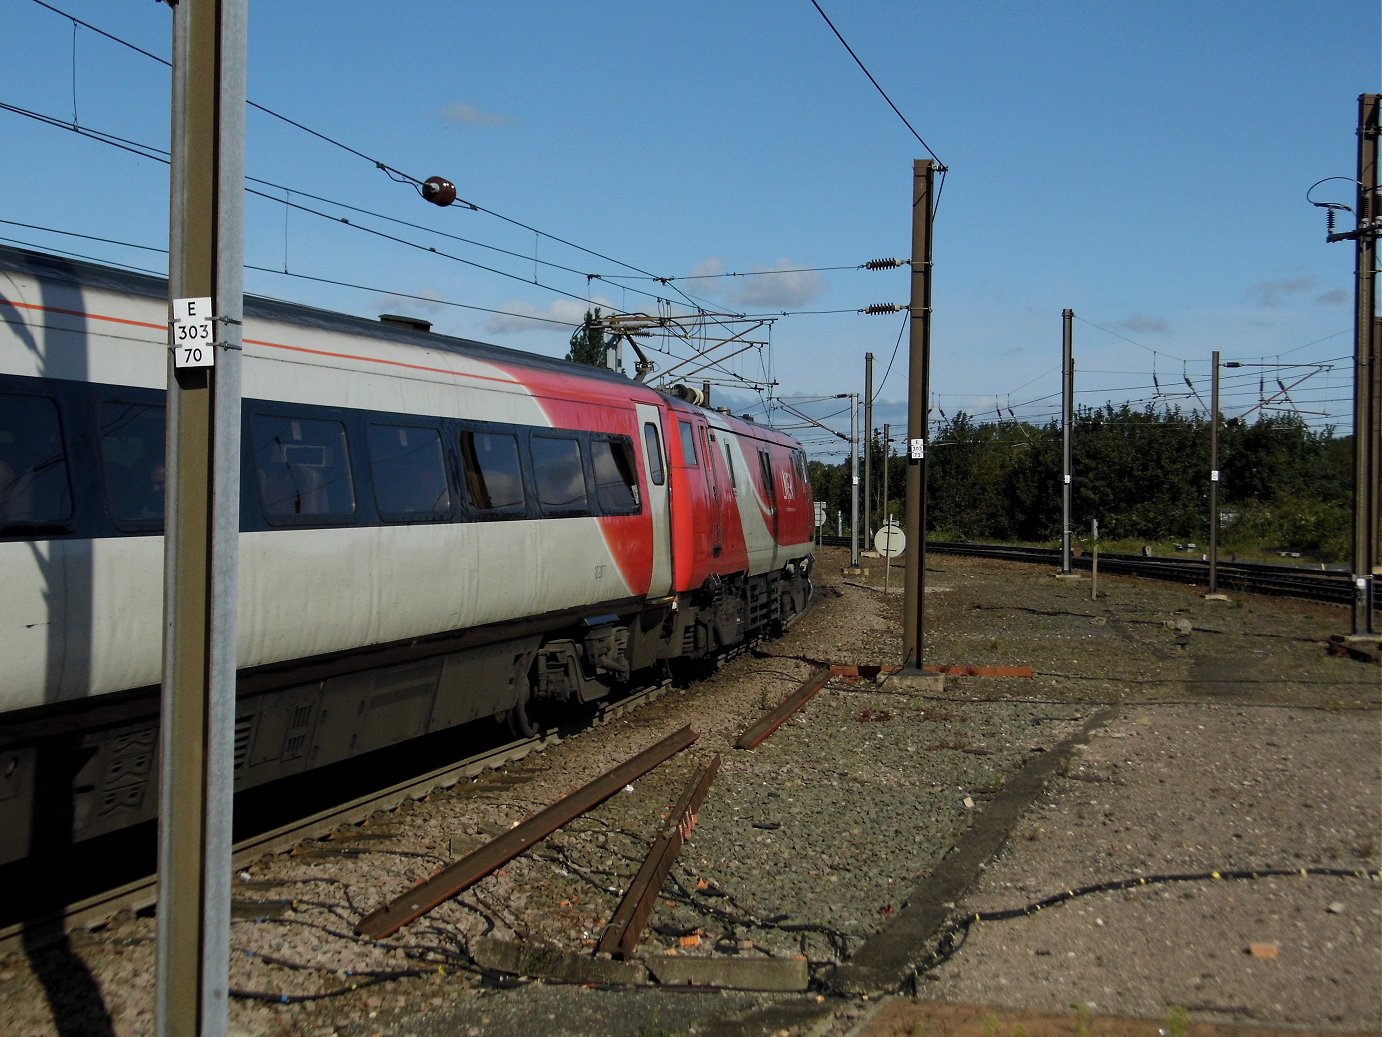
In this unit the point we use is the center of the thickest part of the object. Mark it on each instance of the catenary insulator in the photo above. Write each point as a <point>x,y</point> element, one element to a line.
<point>438,190</point>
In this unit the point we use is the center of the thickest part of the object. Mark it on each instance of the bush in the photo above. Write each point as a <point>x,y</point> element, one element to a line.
<point>1321,529</point>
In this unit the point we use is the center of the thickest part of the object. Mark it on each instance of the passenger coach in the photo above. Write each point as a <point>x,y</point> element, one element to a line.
<point>433,531</point>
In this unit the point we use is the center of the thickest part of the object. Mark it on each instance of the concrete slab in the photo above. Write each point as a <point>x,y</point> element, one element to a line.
<point>777,974</point>
<point>913,683</point>
<point>522,959</point>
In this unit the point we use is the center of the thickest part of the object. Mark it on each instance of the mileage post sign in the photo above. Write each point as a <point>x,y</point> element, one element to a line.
<point>194,332</point>
<point>890,542</point>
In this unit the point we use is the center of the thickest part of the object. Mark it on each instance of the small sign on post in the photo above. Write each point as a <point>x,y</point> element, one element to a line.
<point>890,542</point>
<point>1094,564</point>
<point>194,333</point>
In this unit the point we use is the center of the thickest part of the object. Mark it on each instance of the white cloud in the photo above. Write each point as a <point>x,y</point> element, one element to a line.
<point>463,113</point>
<point>708,267</point>
<point>522,317</point>
<point>789,290</point>
<point>1142,323</point>
<point>423,305</point>
<point>783,287</point>
<point>1277,293</point>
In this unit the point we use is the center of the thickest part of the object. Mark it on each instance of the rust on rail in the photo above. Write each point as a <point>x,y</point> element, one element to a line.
<point>625,928</point>
<point>755,733</point>
<point>873,672</point>
<point>460,875</point>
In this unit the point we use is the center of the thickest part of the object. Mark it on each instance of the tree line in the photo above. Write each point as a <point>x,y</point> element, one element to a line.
<point>1144,475</point>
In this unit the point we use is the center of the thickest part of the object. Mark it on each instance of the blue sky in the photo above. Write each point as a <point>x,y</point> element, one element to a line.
<point>1145,165</point>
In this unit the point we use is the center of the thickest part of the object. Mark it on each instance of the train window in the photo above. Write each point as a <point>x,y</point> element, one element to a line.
<point>765,465</point>
<point>799,458</point>
<point>34,490</point>
<point>616,476</point>
<point>688,443</point>
<point>560,473</point>
<point>409,472</point>
<point>492,471</point>
<point>133,448</point>
<point>729,461</point>
<point>652,446</point>
<point>303,468</point>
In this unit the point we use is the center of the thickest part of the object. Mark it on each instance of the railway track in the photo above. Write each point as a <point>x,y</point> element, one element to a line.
<point>1289,580</point>
<point>141,894</point>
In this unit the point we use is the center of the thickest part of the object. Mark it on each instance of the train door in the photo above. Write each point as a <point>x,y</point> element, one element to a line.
<point>652,443</point>
<point>769,484</point>
<point>712,480</point>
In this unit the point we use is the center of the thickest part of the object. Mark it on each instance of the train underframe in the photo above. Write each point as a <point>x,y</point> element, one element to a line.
<point>68,774</point>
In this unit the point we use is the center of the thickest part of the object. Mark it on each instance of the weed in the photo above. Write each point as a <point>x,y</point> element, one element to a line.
<point>1177,1021</point>
<point>1083,1025</point>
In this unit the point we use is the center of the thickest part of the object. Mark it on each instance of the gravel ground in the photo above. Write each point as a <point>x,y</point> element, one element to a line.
<point>1232,742</point>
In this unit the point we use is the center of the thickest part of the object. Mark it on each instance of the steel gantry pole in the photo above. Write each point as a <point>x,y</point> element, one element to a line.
<point>868,439</point>
<point>854,480</point>
<point>1214,476</point>
<point>1067,423</point>
<point>202,517</point>
<point>1367,409</point>
<point>918,403</point>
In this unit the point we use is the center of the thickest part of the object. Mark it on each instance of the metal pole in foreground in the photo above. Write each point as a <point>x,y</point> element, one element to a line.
<point>1367,409</point>
<point>1214,476</point>
<point>868,439</point>
<point>854,480</point>
<point>202,513</point>
<point>883,503</point>
<point>1067,421</point>
<point>918,401</point>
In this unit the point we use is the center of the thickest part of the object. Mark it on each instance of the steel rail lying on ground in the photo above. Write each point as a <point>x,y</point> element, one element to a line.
<point>755,733</point>
<point>626,926</point>
<point>388,919</point>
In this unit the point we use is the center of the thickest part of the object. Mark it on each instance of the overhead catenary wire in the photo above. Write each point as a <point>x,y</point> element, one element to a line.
<point>1298,398</point>
<point>389,170</point>
<point>335,282</point>
<point>289,203</point>
<point>883,93</point>
<point>292,198</point>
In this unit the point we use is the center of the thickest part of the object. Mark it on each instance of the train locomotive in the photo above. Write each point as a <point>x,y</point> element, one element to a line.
<point>432,531</point>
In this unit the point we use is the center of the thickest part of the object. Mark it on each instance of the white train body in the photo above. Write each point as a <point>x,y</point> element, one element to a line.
<point>432,531</point>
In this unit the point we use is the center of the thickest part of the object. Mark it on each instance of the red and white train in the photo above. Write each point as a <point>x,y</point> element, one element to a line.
<point>433,531</point>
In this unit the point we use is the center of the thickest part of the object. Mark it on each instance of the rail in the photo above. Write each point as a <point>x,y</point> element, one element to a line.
<point>1327,585</point>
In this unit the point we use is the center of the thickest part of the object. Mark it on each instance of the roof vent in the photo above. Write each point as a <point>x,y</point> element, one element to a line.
<point>401,321</point>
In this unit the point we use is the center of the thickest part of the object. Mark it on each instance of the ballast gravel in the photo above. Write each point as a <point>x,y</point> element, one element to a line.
<point>1235,742</point>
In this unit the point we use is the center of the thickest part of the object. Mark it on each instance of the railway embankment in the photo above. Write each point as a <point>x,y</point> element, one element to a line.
<point>1169,825</point>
